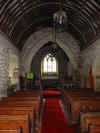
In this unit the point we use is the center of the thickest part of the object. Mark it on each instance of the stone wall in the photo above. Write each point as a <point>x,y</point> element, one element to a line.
<point>6,48</point>
<point>40,38</point>
<point>91,57</point>
<point>62,60</point>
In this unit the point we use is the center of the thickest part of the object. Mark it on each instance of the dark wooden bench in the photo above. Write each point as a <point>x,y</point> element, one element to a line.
<point>83,106</point>
<point>26,93</point>
<point>94,128</point>
<point>27,104</point>
<point>21,112</point>
<point>89,121</point>
<point>78,102</point>
<point>15,121</point>
<point>80,96</point>
<point>73,93</point>
<point>20,98</point>
<point>19,104</point>
<point>16,130</point>
<point>84,116</point>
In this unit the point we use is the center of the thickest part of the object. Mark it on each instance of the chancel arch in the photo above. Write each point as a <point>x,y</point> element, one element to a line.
<point>40,38</point>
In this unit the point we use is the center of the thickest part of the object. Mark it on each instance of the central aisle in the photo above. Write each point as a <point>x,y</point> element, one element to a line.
<point>53,119</point>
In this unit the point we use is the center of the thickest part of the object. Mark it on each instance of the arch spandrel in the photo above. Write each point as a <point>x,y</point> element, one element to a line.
<point>67,43</point>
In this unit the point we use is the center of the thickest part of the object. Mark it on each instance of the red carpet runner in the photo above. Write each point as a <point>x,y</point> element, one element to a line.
<point>53,119</point>
<point>50,91</point>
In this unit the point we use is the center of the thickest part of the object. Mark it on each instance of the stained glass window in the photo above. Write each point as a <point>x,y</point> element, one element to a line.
<point>49,64</point>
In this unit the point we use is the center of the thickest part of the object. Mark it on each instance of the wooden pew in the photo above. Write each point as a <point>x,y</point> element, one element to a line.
<point>30,99</point>
<point>81,104</point>
<point>20,98</point>
<point>94,128</point>
<point>26,93</point>
<point>24,104</point>
<point>15,121</point>
<point>78,93</point>
<point>21,112</point>
<point>88,120</point>
<point>81,96</point>
<point>16,130</point>
<point>27,104</point>
<point>21,103</point>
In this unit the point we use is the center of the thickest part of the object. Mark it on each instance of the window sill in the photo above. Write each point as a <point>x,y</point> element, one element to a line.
<point>49,77</point>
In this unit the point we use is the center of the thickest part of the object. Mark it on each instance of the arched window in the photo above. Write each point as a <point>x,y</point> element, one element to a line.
<point>49,65</point>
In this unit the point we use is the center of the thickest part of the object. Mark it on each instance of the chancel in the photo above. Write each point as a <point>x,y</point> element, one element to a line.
<point>49,66</point>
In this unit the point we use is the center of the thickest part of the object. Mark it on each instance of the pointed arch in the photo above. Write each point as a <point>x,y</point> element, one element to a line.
<point>40,38</point>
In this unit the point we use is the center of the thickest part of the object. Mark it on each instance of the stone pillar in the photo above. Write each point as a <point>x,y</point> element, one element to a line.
<point>70,69</point>
<point>4,71</point>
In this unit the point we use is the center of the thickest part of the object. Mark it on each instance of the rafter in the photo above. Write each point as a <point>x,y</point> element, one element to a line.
<point>17,15</point>
<point>22,10</point>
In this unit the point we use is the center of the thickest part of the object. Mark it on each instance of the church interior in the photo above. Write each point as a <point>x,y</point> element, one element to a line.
<point>49,66</point>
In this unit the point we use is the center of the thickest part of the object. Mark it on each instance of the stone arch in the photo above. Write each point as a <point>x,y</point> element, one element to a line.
<point>40,38</point>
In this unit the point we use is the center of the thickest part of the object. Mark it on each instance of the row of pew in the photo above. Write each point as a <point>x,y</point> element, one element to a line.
<point>17,130</point>
<point>83,108</point>
<point>19,112</point>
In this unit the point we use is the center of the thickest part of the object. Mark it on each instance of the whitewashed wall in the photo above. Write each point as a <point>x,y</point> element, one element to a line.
<point>6,48</point>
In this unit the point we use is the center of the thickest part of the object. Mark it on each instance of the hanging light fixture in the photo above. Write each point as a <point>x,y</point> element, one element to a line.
<point>60,16</point>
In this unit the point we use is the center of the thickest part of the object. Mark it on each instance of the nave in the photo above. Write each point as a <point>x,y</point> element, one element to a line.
<point>49,66</point>
<point>50,111</point>
<point>53,119</point>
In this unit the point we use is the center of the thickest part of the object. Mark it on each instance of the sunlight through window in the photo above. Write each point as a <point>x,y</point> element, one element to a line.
<point>49,64</point>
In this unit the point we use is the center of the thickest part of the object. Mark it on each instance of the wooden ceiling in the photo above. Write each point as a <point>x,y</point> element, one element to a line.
<point>20,18</point>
